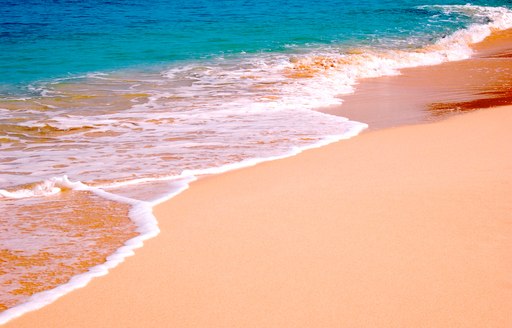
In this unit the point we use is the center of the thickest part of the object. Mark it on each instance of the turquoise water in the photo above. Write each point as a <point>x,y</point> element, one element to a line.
<point>50,39</point>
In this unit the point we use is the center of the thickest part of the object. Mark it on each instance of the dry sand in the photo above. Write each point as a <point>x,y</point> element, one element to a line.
<point>407,227</point>
<point>403,227</point>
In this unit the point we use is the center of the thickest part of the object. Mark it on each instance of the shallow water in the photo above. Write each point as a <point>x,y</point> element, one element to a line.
<point>51,39</point>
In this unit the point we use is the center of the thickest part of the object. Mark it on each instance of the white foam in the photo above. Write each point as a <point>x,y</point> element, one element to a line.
<point>46,188</point>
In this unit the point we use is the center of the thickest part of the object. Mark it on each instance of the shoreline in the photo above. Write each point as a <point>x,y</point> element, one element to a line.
<point>208,178</point>
<point>256,258</point>
<point>427,94</point>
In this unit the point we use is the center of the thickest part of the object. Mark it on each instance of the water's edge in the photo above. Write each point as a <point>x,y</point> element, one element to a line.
<point>141,212</point>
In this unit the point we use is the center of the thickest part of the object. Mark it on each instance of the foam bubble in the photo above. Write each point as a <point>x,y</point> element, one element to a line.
<point>45,188</point>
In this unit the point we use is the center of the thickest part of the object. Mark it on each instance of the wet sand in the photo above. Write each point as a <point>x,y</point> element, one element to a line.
<point>429,93</point>
<point>401,227</point>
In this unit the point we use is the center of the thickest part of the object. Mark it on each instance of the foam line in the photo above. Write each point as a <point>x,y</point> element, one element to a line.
<point>141,214</point>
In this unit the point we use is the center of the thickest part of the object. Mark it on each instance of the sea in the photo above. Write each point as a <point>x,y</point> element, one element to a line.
<point>108,108</point>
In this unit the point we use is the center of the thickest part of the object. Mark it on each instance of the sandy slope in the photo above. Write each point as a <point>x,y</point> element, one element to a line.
<point>406,227</point>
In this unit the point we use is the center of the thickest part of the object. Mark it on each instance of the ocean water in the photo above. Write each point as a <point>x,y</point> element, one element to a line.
<point>109,107</point>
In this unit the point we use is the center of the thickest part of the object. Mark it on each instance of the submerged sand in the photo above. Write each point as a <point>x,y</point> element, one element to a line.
<point>402,227</point>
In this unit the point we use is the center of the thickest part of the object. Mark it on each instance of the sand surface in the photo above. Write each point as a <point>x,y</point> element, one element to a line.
<point>406,227</point>
<point>401,227</point>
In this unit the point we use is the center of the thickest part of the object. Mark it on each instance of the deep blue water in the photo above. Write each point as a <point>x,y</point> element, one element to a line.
<point>43,39</point>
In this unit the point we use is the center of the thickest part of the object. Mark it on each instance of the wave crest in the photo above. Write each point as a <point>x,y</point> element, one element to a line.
<point>47,187</point>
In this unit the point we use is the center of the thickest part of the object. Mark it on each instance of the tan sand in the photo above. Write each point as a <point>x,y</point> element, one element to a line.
<point>407,227</point>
